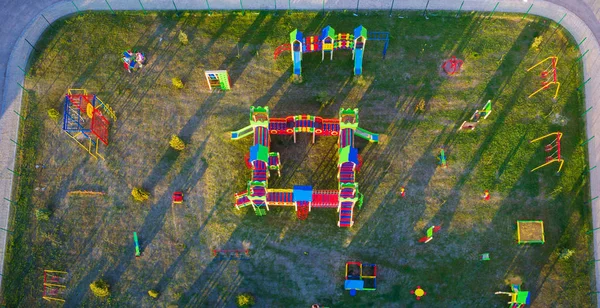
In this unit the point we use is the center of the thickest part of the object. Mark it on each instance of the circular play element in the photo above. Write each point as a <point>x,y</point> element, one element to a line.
<point>352,292</point>
<point>418,292</point>
<point>273,132</point>
<point>334,133</point>
<point>318,130</point>
<point>452,65</point>
<point>289,130</point>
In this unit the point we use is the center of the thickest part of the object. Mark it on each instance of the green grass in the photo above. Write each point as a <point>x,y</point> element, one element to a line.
<point>91,237</point>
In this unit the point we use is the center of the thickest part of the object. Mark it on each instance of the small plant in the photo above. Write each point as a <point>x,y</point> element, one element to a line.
<point>43,214</point>
<point>177,83</point>
<point>245,300</point>
<point>323,98</point>
<point>536,42</point>
<point>153,293</point>
<point>183,38</point>
<point>53,114</point>
<point>100,288</point>
<point>420,107</point>
<point>139,194</point>
<point>566,254</point>
<point>176,143</point>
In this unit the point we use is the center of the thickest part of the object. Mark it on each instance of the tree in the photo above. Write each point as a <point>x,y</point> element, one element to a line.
<point>245,300</point>
<point>100,288</point>
<point>177,83</point>
<point>43,214</point>
<point>153,293</point>
<point>176,143</point>
<point>139,194</point>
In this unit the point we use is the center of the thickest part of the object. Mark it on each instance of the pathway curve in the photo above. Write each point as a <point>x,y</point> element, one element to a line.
<point>26,20</point>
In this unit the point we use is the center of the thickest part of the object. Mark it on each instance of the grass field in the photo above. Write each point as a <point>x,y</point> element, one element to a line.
<point>298,263</point>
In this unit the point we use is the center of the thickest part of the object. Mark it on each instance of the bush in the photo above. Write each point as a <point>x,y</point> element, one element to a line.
<point>100,288</point>
<point>139,194</point>
<point>566,254</point>
<point>153,293</point>
<point>53,114</point>
<point>183,38</point>
<point>420,107</point>
<point>536,42</point>
<point>245,300</point>
<point>323,98</point>
<point>177,83</point>
<point>176,143</point>
<point>43,214</point>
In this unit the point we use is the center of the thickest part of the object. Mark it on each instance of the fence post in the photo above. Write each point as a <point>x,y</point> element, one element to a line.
<point>109,6</point>
<point>391,8</point>
<point>460,8</point>
<point>526,13</point>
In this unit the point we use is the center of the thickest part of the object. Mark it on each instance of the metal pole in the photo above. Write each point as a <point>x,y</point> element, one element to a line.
<point>46,19</point>
<point>586,110</point>
<point>176,11</point>
<point>323,7</point>
<point>529,9</point>
<point>28,42</point>
<point>586,142</point>
<point>208,6</point>
<point>494,10</point>
<point>585,38</point>
<point>289,7</point>
<point>425,11</point>
<point>20,116</point>
<point>357,2</point>
<point>76,8</point>
<point>143,9</point>
<point>582,55</point>
<point>392,7</point>
<point>242,6</point>
<point>460,8</point>
<point>109,6</point>
<point>561,19</point>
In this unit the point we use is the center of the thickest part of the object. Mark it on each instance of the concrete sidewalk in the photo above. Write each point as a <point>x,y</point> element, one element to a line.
<point>575,15</point>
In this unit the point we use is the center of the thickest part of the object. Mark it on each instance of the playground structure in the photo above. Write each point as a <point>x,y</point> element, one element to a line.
<point>442,158</point>
<point>177,197</point>
<point>530,232</point>
<point>133,60</point>
<point>452,66</point>
<point>218,80</point>
<point>549,76</point>
<point>478,115</point>
<point>418,292</point>
<point>328,42</point>
<point>518,298</point>
<point>429,236</point>
<point>137,245</point>
<point>235,254</point>
<point>84,120</point>
<point>303,198</point>
<point>554,157</point>
<point>360,277</point>
<point>54,285</point>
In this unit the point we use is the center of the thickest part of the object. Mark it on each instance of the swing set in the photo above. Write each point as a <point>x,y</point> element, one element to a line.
<point>554,145</point>
<point>54,285</point>
<point>548,76</point>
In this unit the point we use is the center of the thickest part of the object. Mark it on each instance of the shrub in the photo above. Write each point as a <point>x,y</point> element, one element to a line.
<point>245,300</point>
<point>176,143</point>
<point>139,194</point>
<point>566,254</point>
<point>177,83</point>
<point>323,98</point>
<point>420,107</point>
<point>153,293</point>
<point>183,38</point>
<point>43,214</point>
<point>53,114</point>
<point>100,288</point>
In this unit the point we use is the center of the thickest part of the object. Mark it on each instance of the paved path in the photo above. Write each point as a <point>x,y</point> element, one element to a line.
<point>22,19</point>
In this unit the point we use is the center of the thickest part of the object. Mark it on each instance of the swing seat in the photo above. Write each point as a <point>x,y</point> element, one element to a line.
<point>549,158</point>
<point>548,147</point>
<point>544,74</point>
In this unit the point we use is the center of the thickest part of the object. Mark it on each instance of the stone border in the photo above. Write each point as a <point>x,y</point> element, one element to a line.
<point>9,120</point>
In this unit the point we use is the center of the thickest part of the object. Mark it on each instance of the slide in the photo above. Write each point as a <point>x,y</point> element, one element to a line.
<point>297,63</point>
<point>358,58</point>
<point>242,132</point>
<point>363,133</point>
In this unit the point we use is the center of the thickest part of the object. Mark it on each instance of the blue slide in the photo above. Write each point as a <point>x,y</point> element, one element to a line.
<point>358,57</point>
<point>297,62</point>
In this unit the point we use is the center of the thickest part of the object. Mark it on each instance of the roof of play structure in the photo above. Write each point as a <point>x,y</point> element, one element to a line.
<point>302,193</point>
<point>348,154</point>
<point>327,31</point>
<point>296,35</point>
<point>259,152</point>
<point>360,31</point>
<point>354,284</point>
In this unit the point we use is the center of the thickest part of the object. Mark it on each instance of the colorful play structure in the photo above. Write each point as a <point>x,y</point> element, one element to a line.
<point>429,236</point>
<point>549,76</point>
<point>133,60</point>
<point>218,80</point>
<point>518,298</point>
<point>442,158</point>
<point>54,285</point>
<point>554,145</point>
<point>530,232</point>
<point>137,245</point>
<point>84,120</point>
<point>303,198</point>
<point>479,114</point>
<point>418,292</point>
<point>177,197</point>
<point>452,66</point>
<point>328,42</point>
<point>360,277</point>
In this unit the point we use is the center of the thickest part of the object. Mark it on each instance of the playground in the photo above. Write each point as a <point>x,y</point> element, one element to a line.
<point>189,241</point>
